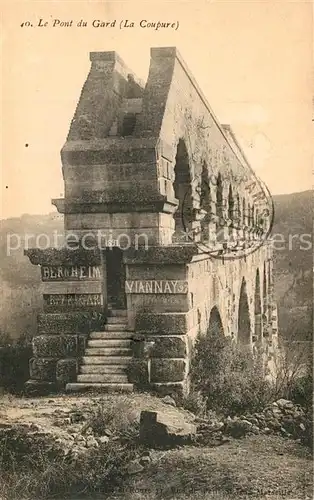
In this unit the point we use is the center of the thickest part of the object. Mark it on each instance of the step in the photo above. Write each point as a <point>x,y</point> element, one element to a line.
<point>111,335</point>
<point>115,369</point>
<point>117,312</point>
<point>108,351</point>
<point>116,328</point>
<point>109,343</point>
<point>85,386</point>
<point>103,360</point>
<point>101,378</point>
<point>113,320</point>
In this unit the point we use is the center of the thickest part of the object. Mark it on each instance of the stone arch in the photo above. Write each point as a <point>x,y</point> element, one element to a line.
<point>249,215</point>
<point>238,213</point>
<point>253,216</point>
<point>244,214</point>
<point>244,324</point>
<point>257,222</point>
<point>205,202</point>
<point>269,280</point>
<point>219,197</point>
<point>231,205</point>
<point>215,326</point>
<point>219,208</point>
<point>182,187</point>
<point>258,308</point>
<point>244,218</point>
<point>264,282</point>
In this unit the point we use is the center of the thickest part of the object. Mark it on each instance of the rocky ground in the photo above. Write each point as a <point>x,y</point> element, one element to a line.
<point>180,456</point>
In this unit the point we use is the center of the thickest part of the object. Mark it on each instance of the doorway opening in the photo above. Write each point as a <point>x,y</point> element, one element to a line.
<point>115,278</point>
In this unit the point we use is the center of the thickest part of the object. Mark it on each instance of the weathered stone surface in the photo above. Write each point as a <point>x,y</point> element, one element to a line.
<point>238,428</point>
<point>59,323</point>
<point>39,387</point>
<point>284,404</point>
<point>167,370</point>
<point>169,347</point>
<point>174,389</point>
<point>66,370</point>
<point>157,272</point>
<point>160,430</point>
<point>142,346</point>
<point>91,442</point>
<point>43,369</point>
<point>59,346</point>
<point>160,255</point>
<point>103,439</point>
<point>64,256</point>
<point>135,467</point>
<point>162,324</point>
<point>145,460</point>
<point>137,372</point>
<point>127,168</point>
<point>168,400</point>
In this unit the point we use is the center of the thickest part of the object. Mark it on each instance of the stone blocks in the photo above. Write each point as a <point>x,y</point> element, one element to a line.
<point>175,389</point>
<point>64,323</point>
<point>59,346</point>
<point>137,372</point>
<point>66,370</point>
<point>161,323</point>
<point>168,370</point>
<point>39,387</point>
<point>43,369</point>
<point>158,429</point>
<point>169,347</point>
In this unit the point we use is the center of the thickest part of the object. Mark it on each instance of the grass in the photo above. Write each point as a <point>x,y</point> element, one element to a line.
<point>36,467</point>
<point>42,477</point>
<point>257,467</point>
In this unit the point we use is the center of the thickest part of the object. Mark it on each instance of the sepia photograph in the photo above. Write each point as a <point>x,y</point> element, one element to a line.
<point>156,255</point>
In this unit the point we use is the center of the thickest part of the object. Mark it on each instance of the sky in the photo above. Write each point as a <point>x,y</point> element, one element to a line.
<point>252,59</point>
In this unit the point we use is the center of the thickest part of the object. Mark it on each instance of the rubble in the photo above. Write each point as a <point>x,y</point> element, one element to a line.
<point>282,417</point>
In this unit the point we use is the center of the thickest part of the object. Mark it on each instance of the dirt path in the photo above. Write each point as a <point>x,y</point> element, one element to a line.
<point>266,467</point>
<point>256,467</point>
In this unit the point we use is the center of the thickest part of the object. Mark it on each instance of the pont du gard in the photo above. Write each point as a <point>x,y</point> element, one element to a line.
<point>151,158</point>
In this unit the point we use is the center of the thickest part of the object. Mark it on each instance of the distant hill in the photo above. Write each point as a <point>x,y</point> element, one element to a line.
<point>21,284</point>
<point>294,263</point>
<point>20,280</point>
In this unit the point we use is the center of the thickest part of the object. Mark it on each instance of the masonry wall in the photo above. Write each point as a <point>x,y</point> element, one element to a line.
<point>121,167</point>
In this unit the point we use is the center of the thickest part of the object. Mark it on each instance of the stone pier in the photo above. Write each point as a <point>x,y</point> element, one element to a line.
<point>167,236</point>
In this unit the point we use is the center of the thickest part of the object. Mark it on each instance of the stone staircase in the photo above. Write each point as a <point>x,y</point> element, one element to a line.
<point>106,357</point>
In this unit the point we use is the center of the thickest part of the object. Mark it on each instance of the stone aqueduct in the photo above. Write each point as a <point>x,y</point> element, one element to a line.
<point>151,163</point>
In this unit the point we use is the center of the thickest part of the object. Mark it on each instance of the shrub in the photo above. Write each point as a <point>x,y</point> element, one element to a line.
<point>301,390</point>
<point>119,418</point>
<point>35,466</point>
<point>294,375</point>
<point>14,364</point>
<point>230,378</point>
<point>195,402</point>
<point>44,476</point>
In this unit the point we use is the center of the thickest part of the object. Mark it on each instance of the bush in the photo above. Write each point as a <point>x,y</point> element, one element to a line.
<point>119,418</point>
<point>195,402</point>
<point>229,377</point>
<point>44,476</point>
<point>301,391</point>
<point>35,466</point>
<point>14,364</point>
